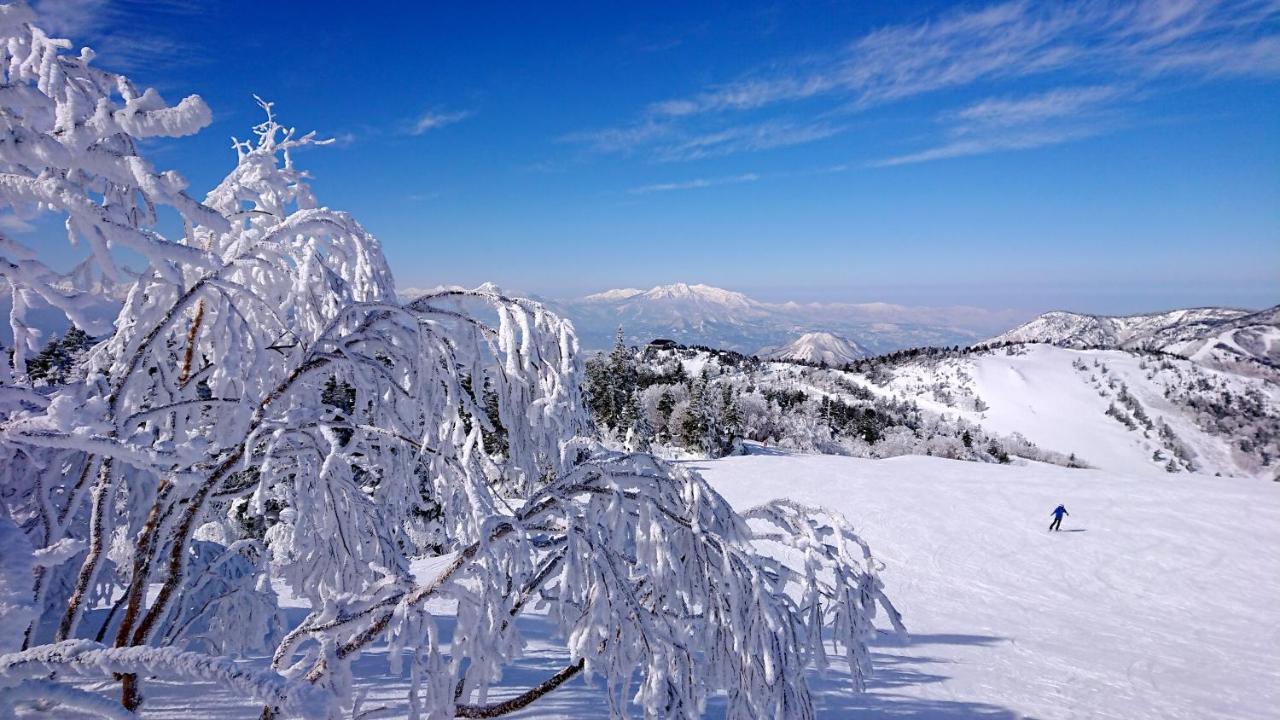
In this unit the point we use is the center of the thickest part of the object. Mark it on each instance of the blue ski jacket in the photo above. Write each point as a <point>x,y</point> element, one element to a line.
<point>1059,511</point>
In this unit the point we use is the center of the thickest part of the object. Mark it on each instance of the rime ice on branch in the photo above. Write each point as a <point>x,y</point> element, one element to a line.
<point>265,408</point>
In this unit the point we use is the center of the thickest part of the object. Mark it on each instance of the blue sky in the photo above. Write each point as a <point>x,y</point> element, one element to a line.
<point>1103,157</point>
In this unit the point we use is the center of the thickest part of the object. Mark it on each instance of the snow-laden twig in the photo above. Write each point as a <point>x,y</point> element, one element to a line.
<point>88,659</point>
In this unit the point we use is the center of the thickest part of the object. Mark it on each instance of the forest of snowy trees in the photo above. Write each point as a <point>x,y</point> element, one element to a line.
<point>707,402</point>
<point>264,414</point>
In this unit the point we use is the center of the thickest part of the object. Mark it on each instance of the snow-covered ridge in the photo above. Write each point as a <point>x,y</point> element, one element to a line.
<point>1214,336</point>
<point>612,295</point>
<point>817,347</point>
<point>698,293</point>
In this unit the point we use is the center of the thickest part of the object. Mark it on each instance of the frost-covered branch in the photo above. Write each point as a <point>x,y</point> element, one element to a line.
<point>88,659</point>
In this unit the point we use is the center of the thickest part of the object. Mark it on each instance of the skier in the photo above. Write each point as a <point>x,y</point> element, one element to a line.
<point>1057,514</point>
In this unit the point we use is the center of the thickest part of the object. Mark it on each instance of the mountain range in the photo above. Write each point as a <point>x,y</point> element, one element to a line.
<point>695,314</point>
<point>835,333</point>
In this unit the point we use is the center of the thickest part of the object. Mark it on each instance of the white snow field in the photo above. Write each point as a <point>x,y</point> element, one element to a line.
<point>1158,599</point>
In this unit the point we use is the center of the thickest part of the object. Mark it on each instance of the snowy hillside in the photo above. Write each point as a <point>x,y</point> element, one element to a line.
<point>698,314</point>
<point>1215,336</point>
<point>818,348</point>
<point>1112,409</point>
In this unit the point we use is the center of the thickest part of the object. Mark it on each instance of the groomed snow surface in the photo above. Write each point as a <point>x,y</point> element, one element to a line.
<point>1157,600</point>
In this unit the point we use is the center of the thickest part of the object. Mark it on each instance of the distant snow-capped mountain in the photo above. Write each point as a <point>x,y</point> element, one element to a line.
<point>679,303</point>
<point>696,314</point>
<point>613,295</point>
<point>817,347</point>
<point>1214,336</point>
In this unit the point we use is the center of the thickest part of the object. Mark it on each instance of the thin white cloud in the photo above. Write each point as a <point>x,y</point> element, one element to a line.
<point>1022,140</point>
<point>343,139</point>
<point>620,139</point>
<point>665,142</point>
<point>74,19</point>
<point>110,28</point>
<point>758,136</point>
<point>1115,51</point>
<point>1051,105</point>
<point>1016,39</point>
<point>1001,124</point>
<point>695,184</point>
<point>434,120</point>
<point>14,224</point>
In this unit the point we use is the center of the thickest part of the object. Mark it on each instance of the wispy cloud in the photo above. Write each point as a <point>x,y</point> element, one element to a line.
<point>344,139</point>
<point>14,224</point>
<point>1055,104</point>
<point>694,184</point>
<point>621,139</point>
<point>669,142</point>
<point>1017,39</point>
<point>110,28</point>
<point>741,138</point>
<point>1113,50</point>
<point>1024,140</point>
<point>434,120</point>
<point>998,124</point>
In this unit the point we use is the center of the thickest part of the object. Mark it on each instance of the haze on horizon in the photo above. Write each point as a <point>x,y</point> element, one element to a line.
<point>1100,157</point>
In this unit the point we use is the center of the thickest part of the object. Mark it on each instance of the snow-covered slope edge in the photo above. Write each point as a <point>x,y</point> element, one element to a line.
<point>1222,337</point>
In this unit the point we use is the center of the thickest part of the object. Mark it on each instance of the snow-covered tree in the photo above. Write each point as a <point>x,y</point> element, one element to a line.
<point>263,408</point>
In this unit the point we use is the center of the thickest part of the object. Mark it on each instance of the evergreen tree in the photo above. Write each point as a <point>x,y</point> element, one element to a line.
<point>693,430</point>
<point>623,384</point>
<point>666,406</point>
<point>731,415</point>
<point>54,362</point>
<point>612,386</point>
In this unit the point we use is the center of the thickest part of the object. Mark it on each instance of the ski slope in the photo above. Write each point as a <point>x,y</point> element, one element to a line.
<point>1042,396</point>
<point>1057,398</point>
<point>1157,601</point>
